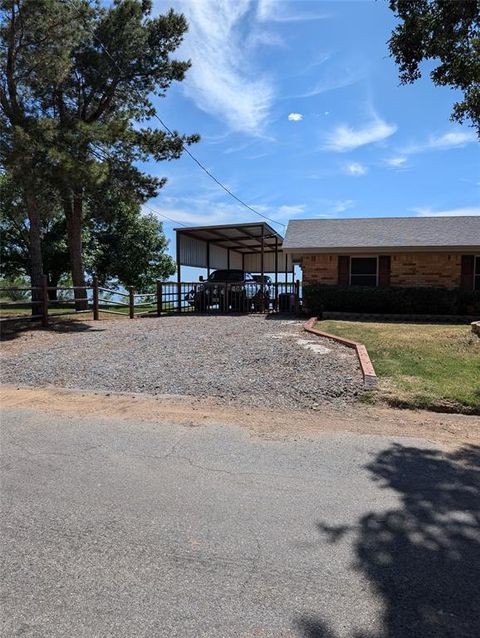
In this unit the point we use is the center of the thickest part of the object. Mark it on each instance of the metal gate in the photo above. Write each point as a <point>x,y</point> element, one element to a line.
<point>225,298</point>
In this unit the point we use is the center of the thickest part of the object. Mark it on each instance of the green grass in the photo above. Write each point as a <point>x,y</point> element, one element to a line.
<point>436,367</point>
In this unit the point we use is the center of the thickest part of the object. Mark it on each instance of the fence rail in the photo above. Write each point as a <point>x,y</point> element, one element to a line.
<point>169,298</point>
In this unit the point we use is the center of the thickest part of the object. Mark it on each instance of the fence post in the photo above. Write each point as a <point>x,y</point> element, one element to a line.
<point>95,298</point>
<point>159,298</point>
<point>44,293</point>
<point>179,297</point>
<point>297,296</point>
<point>131,302</point>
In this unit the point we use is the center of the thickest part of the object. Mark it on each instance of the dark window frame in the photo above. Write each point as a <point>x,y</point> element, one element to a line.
<point>352,257</point>
<point>476,273</point>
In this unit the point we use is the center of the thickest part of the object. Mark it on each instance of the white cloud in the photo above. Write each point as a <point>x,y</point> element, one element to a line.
<point>452,139</point>
<point>346,138</point>
<point>336,79</point>
<point>288,210</point>
<point>355,169</point>
<point>452,212</point>
<point>223,80</point>
<point>295,117</point>
<point>396,162</point>
<point>276,11</point>
<point>341,206</point>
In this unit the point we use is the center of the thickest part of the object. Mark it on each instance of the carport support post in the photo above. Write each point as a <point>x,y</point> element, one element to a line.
<point>179,275</point>
<point>276,274</point>
<point>262,268</point>
<point>159,298</point>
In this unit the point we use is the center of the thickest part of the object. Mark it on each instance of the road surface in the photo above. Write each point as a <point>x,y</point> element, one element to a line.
<point>125,529</point>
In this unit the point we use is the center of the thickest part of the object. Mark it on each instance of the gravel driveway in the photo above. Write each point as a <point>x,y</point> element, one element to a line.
<point>247,359</point>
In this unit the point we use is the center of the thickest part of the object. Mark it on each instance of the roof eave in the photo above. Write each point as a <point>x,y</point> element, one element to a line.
<point>338,250</point>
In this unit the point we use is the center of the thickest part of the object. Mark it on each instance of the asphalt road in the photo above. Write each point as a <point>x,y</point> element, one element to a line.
<point>137,529</point>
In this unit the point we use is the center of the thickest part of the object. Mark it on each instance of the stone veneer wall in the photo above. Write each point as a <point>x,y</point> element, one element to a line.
<point>407,269</point>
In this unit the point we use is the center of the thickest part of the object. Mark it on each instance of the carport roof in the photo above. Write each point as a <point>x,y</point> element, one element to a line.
<point>243,238</point>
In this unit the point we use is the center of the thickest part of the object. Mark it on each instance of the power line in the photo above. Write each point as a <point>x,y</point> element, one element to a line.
<point>154,210</point>
<point>184,148</point>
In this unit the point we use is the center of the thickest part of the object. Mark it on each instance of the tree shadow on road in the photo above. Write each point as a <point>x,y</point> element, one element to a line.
<point>422,559</point>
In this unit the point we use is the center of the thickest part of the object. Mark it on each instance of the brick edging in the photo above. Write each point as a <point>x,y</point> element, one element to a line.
<point>370,379</point>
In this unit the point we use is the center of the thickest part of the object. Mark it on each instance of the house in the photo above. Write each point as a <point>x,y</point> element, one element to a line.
<point>439,252</point>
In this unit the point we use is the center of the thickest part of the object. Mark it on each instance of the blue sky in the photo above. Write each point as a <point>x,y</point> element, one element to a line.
<point>302,116</point>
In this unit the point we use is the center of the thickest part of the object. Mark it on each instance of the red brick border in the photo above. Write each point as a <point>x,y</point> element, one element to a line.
<point>370,379</point>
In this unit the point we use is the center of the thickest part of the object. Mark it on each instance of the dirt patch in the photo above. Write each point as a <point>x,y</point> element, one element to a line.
<point>447,429</point>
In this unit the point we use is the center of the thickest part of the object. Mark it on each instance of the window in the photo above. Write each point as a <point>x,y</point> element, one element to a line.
<point>476,275</point>
<point>363,271</point>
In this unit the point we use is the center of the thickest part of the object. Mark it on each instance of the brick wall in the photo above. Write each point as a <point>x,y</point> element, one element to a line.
<point>408,269</point>
<point>426,269</point>
<point>320,269</point>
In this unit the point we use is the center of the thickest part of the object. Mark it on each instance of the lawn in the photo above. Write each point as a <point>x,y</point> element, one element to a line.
<point>436,367</point>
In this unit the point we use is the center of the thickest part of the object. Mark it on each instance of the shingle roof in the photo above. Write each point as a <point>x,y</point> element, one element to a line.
<point>322,235</point>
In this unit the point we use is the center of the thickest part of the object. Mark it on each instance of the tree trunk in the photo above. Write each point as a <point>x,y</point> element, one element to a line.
<point>53,280</point>
<point>73,207</point>
<point>35,252</point>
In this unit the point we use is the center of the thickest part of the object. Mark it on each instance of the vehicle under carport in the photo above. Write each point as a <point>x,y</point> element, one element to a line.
<point>254,249</point>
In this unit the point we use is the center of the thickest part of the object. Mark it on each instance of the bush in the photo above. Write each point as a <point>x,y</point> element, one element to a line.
<point>391,300</point>
<point>15,282</point>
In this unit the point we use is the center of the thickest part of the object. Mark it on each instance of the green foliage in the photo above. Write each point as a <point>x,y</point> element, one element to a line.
<point>15,282</point>
<point>100,105</point>
<point>448,33</point>
<point>76,87</point>
<point>391,300</point>
<point>14,247</point>
<point>120,244</point>
<point>130,248</point>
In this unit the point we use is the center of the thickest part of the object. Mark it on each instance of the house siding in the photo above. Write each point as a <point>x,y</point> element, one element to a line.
<point>441,270</point>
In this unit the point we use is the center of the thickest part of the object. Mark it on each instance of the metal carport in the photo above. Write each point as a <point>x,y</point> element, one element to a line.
<point>254,247</point>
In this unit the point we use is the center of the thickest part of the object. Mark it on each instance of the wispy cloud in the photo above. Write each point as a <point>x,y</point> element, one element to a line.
<point>335,79</point>
<point>346,138</point>
<point>295,117</point>
<point>224,81</point>
<point>451,212</point>
<point>342,205</point>
<point>275,11</point>
<point>211,207</point>
<point>289,210</point>
<point>355,169</point>
<point>396,162</point>
<point>336,207</point>
<point>444,142</point>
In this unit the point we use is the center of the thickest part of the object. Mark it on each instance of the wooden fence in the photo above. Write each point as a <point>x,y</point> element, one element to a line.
<point>169,297</point>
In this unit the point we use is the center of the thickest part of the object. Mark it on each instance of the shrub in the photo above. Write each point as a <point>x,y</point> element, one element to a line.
<point>391,300</point>
<point>11,283</point>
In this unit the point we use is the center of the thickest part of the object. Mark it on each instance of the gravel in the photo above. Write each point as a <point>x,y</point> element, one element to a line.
<point>249,360</point>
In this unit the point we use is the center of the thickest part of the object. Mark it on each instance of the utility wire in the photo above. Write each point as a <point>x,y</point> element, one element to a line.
<point>107,155</point>
<point>167,128</point>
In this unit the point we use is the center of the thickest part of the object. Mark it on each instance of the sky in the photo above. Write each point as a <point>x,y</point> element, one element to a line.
<point>301,114</point>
